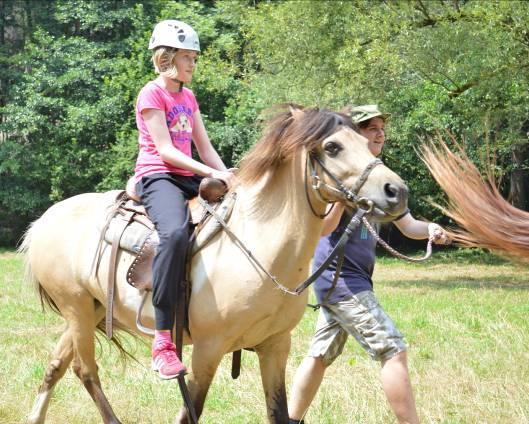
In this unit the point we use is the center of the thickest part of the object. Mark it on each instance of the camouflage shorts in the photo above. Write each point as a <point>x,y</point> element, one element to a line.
<point>362,317</point>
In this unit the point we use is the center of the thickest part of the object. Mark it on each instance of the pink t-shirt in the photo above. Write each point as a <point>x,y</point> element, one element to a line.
<point>179,109</point>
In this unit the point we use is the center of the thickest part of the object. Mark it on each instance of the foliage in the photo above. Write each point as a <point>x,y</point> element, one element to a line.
<point>70,71</point>
<point>436,66</point>
<point>61,118</point>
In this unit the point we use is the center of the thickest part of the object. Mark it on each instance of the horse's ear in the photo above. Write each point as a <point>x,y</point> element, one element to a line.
<point>347,110</point>
<point>296,112</point>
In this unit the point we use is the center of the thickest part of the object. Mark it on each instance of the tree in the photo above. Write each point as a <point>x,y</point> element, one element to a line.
<point>459,66</point>
<point>60,118</point>
<point>70,71</point>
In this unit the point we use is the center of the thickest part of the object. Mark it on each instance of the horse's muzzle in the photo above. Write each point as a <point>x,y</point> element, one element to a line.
<point>396,202</point>
<point>396,196</point>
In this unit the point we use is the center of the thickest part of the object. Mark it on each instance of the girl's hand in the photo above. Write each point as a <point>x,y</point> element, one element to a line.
<point>227,176</point>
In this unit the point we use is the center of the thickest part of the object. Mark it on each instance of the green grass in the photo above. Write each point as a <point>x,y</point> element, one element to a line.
<point>464,315</point>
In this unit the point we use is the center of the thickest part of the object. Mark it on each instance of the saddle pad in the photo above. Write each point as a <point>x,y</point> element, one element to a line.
<point>141,239</point>
<point>134,236</point>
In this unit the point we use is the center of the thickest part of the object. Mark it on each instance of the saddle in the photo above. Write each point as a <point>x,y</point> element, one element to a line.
<point>129,228</point>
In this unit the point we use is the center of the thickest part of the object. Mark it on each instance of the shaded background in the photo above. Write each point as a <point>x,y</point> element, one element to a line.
<point>70,72</point>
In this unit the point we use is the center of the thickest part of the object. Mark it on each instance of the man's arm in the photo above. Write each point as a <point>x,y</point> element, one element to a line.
<point>331,221</point>
<point>417,229</point>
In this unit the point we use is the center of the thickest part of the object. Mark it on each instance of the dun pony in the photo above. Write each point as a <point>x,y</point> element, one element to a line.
<point>233,304</point>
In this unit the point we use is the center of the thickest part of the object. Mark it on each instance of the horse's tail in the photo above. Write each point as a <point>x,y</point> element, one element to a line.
<point>25,248</point>
<point>486,219</point>
<point>46,301</point>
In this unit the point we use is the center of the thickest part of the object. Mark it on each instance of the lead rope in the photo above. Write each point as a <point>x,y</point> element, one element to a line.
<point>374,233</point>
<point>393,251</point>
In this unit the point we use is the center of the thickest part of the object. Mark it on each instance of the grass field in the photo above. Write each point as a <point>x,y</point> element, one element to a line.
<point>464,315</point>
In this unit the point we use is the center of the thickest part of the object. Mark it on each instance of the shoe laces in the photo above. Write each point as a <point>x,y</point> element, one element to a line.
<point>167,351</point>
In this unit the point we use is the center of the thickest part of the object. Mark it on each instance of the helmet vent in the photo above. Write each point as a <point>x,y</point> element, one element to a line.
<point>181,35</point>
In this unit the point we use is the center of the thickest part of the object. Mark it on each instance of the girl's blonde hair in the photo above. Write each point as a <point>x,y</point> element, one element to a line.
<point>163,59</point>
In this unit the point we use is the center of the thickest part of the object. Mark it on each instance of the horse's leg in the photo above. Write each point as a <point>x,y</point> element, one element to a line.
<point>273,355</point>
<point>83,322</point>
<point>61,358</point>
<point>205,361</point>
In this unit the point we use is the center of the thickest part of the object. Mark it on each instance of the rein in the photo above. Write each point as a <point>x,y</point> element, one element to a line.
<point>338,249</point>
<point>364,206</point>
<point>350,195</point>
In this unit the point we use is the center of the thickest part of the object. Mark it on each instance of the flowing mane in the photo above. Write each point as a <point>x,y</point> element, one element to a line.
<point>288,130</point>
<point>487,220</point>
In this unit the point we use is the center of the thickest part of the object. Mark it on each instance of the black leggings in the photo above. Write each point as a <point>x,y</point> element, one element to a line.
<point>165,199</point>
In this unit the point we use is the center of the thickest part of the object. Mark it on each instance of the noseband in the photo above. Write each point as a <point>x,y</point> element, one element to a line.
<point>349,194</point>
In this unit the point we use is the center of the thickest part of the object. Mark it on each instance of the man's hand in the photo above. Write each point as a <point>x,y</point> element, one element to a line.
<point>437,234</point>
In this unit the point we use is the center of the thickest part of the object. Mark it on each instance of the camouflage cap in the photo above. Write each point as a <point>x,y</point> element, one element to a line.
<point>365,112</point>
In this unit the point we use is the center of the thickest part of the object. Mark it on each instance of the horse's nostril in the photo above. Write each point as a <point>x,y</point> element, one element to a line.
<point>391,190</point>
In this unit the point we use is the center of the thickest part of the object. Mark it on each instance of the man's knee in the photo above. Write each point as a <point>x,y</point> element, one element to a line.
<point>319,362</point>
<point>399,357</point>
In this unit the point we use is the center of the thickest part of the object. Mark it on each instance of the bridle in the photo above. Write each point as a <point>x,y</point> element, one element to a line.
<point>364,206</point>
<point>350,195</point>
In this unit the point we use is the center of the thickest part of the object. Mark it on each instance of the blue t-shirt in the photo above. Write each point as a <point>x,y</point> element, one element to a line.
<point>358,264</point>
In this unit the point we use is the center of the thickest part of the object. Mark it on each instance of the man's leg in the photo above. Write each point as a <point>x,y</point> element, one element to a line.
<point>369,324</point>
<point>326,345</point>
<point>397,387</point>
<point>307,380</point>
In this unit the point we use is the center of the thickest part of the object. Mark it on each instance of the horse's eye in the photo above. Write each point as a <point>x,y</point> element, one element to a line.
<point>332,148</point>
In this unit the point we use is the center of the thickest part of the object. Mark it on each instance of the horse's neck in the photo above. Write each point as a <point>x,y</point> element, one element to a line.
<point>276,210</point>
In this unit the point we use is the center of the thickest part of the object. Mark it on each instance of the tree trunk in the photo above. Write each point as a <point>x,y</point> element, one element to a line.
<point>2,23</point>
<point>3,84</point>
<point>519,194</point>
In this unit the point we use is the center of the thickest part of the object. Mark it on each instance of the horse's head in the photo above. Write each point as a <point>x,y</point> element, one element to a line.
<point>339,165</point>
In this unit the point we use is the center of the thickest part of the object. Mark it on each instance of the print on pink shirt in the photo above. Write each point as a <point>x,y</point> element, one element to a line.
<point>182,124</point>
<point>179,109</point>
<point>181,130</point>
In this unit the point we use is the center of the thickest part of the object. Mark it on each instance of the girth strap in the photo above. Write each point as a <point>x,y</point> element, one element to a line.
<point>126,218</point>
<point>236,364</point>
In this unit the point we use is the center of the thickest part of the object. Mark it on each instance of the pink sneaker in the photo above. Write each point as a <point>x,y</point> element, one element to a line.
<point>166,362</point>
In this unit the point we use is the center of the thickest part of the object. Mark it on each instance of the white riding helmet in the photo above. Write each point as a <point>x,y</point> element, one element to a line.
<point>176,34</point>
